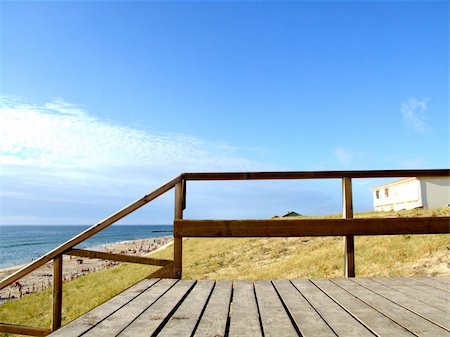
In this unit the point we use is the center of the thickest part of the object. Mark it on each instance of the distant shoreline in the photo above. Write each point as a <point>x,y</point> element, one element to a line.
<point>74,267</point>
<point>21,244</point>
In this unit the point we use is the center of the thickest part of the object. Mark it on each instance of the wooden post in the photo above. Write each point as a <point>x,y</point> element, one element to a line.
<point>178,240</point>
<point>184,194</point>
<point>349,244</point>
<point>57,291</point>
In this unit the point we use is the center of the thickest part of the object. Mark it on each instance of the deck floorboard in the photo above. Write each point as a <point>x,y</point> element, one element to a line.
<point>404,306</point>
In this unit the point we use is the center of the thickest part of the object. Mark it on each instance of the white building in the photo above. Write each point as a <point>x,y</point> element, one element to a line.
<point>409,193</point>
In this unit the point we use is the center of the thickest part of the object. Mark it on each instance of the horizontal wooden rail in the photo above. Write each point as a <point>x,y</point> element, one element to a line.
<point>117,257</point>
<point>234,228</point>
<point>316,175</point>
<point>24,330</point>
<point>89,232</point>
<point>311,227</point>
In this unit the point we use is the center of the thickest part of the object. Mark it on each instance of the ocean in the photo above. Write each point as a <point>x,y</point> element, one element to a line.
<point>21,244</point>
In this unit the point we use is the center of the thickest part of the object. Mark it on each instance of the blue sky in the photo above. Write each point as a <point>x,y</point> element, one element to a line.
<point>103,101</point>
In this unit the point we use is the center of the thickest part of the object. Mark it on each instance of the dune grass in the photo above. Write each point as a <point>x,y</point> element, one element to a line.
<point>243,258</point>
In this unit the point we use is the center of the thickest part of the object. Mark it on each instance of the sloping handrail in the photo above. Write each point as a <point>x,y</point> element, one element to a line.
<point>206,176</point>
<point>89,232</point>
<point>234,228</point>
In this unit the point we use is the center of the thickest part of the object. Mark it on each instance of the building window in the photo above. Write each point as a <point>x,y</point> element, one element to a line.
<point>386,192</point>
<point>377,194</point>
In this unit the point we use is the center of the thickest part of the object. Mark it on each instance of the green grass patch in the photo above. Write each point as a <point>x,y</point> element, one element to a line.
<point>242,258</point>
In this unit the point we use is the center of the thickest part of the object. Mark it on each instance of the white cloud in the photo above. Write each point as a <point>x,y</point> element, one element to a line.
<point>61,164</point>
<point>64,140</point>
<point>415,114</point>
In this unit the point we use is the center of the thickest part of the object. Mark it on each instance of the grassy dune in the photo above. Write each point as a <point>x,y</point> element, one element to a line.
<point>262,258</point>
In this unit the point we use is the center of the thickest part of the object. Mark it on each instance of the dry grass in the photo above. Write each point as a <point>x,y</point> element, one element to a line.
<point>243,258</point>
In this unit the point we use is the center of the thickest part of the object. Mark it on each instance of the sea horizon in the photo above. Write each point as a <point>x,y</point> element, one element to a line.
<point>24,243</point>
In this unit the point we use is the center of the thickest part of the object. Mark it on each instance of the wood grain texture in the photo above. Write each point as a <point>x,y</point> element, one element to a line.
<point>306,318</point>
<point>342,323</point>
<point>57,292</point>
<point>349,240</point>
<point>86,322</point>
<point>178,241</point>
<point>434,281</point>
<point>23,330</point>
<point>153,319</point>
<point>376,322</point>
<point>388,307</point>
<point>274,318</point>
<point>410,302</point>
<point>311,227</point>
<point>316,174</point>
<point>88,233</point>
<point>214,320</point>
<point>244,316</point>
<point>117,257</point>
<point>434,297</point>
<point>120,319</point>
<point>338,307</point>
<point>184,320</point>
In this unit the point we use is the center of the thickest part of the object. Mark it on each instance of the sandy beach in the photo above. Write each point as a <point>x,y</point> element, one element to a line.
<point>74,267</point>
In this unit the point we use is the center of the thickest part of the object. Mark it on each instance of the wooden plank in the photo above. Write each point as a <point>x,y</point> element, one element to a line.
<point>178,241</point>
<point>177,257</point>
<point>185,319</point>
<point>214,320</point>
<point>57,292</point>
<point>433,281</point>
<point>421,292</point>
<point>117,257</point>
<point>306,318</point>
<point>310,227</point>
<point>409,302</point>
<point>417,280</point>
<point>342,323</point>
<point>316,174</point>
<point>119,320</point>
<point>244,316</point>
<point>409,320</point>
<point>88,233</point>
<point>444,279</point>
<point>372,319</point>
<point>274,318</point>
<point>84,323</point>
<point>184,188</point>
<point>349,240</point>
<point>151,321</point>
<point>178,207</point>
<point>23,330</point>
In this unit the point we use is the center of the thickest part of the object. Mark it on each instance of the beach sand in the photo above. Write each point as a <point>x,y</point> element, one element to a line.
<point>74,267</point>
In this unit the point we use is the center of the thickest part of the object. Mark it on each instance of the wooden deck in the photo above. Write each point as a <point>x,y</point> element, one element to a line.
<point>405,306</point>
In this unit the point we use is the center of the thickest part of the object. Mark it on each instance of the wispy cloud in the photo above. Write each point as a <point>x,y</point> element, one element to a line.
<point>59,164</point>
<point>415,114</point>
<point>62,139</point>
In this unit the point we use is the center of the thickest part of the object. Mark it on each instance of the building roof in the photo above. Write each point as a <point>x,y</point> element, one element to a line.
<point>292,213</point>
<point>395,182</point>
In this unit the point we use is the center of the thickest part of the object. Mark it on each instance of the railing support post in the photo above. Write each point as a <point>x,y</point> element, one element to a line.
<point>178,241</point>
<point>57,291</point>
<point>349,244</point>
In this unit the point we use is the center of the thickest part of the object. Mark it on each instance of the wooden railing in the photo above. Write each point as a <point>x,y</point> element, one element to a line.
<point>347,227</point>
<point>67,248</point>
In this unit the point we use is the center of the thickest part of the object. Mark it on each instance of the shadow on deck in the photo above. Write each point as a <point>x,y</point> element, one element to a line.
<point>404,306</point>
